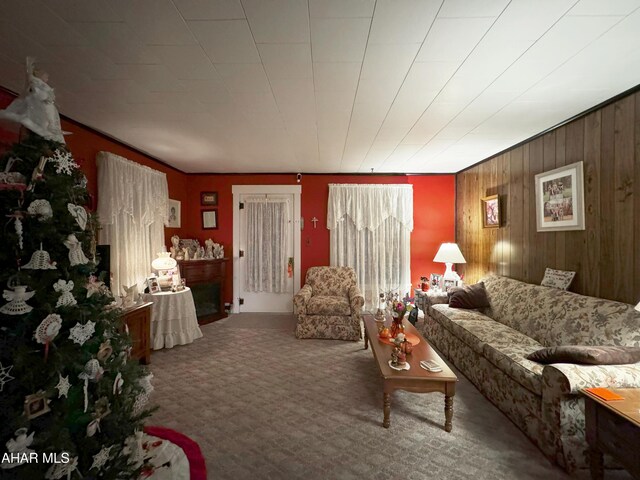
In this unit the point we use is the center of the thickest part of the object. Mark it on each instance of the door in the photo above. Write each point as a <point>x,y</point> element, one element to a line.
<point>266,253</point>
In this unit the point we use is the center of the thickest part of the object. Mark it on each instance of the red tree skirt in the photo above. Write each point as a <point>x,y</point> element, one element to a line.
<point>197,467</point>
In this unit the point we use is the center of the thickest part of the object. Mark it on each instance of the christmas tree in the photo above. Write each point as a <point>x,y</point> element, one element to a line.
<point>72,403</point>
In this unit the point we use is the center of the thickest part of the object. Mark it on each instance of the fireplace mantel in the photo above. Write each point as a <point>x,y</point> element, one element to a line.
<point>206,278</point>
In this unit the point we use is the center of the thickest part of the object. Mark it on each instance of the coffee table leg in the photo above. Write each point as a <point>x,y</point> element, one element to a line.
<point>448,413</point>
<point>366,340</point>
<point>387,410</point>
<point>596,464</point>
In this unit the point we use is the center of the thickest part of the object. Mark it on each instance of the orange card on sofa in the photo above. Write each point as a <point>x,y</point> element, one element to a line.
<point>604,393</point>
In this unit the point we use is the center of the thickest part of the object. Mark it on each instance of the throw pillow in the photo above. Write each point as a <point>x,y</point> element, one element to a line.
<point>587,354</point>
<point>471,296</point>
<point>557,278</point>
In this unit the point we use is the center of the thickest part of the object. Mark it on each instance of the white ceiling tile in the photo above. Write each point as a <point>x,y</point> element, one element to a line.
<point>440,45</point>
<point>436,117</point>
<point>278,21</point>
<point>210,9</point>
<point>389,62</point>
<point>208,91</point>
<point>85,10</point>
<point>156,22</point>
<point>117,41</point>
<point>336,77</point>
<point>34,19</point>
<point>154,78</point>
<point>286,60</point>
<point>341,8</point>
<point>403,21</point>
<point>298,91</point>
<point>17,47</point>
<point>339,39</point>
<point>226,41</point>
<point>187,62</point>
<point>478,8</point>
<point>610,7</point>
<point>244,77</point>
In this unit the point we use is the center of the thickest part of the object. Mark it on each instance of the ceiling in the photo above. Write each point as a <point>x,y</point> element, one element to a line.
<point>340,86</point>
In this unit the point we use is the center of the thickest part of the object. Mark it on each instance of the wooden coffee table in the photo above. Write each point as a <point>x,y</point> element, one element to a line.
<point>416,379</point>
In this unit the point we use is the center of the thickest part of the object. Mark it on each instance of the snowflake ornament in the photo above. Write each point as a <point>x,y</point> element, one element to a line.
<point>63,386</point>
<point>64,162</point>
<point>59,470</point>
<point>100,458</point>
<point>66,298</point>
<point>81,333</point>
<point>4,376</point>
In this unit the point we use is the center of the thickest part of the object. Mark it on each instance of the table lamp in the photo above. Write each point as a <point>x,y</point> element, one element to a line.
<point>163,265</point>
<point>449,253</point>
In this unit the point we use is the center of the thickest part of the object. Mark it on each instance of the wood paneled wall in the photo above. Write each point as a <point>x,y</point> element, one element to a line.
<point>606,255</point>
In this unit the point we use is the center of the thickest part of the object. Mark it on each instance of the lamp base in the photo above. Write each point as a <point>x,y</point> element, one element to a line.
<point>450,274</point>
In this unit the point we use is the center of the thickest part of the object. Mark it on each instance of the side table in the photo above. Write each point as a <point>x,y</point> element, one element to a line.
<point>138,321</point>
<point>173,319</point>
<point>614,428</point>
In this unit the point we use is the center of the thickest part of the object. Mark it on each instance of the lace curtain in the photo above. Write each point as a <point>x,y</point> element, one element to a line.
<point>370,231</point>
<point>132,207</point>
<point>267,220</point>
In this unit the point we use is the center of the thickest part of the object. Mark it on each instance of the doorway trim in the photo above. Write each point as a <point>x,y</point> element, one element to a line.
<point>238,190</point>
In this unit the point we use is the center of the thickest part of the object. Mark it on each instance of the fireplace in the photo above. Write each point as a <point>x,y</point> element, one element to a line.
<point>206,279</point>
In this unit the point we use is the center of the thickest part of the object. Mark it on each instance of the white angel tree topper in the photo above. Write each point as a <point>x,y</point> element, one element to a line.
<point>67,385</point>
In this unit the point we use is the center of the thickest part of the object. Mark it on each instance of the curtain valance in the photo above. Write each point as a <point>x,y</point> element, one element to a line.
<point>126,187</point>
<point>368,206</point>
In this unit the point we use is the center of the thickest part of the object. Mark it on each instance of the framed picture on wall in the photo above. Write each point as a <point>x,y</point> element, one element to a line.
<point>209,219</point>
<point>174,214</point>
<point>560,199</point>
<point>490,211</point>
<point>209,198</point>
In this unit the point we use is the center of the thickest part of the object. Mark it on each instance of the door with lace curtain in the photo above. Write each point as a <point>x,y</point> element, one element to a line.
<point>265,263</point>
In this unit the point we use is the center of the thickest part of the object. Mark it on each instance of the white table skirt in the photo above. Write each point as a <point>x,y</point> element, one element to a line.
<point>173,319</point>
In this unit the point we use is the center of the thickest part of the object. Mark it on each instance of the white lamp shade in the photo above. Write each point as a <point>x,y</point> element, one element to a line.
<point>449,253</point>
<point>164,262</point>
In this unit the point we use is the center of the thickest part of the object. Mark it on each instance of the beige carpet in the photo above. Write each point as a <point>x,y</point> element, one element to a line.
<point>264,405</point>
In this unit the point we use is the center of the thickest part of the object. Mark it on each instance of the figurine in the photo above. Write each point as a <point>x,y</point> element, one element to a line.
<point>218,251</point>
<point>209,244</point>
<point>35,109</point>
<point>175,249</point>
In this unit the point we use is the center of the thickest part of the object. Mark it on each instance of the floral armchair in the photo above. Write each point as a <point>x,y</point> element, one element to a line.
<point>329,304</point>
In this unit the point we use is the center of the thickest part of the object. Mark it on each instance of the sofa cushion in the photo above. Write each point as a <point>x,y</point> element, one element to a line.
<point>470,296</point>
<point>503,346</point>
<point>326,305</point>
<point>589,355</point>
<point>331,280</point>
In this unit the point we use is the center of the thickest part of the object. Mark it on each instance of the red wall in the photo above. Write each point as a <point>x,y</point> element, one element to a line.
<point>84,145</point>
<point>433,204</point>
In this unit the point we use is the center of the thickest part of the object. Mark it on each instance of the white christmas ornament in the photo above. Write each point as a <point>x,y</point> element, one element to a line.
<point>100,458</point>
<point>145,383</point>
<point>118,382</point>
<point>41,208</point>
<point>95,286</point>
<point>76,255</point>
<point>63,386</point>
<point>66,299</point>
<point>141,400</point>
<point>16,298</point>
<point>92,371</point>
<point>4,376</point>
<point>48,329</point>
<point>133,449</point>
<point>19,447</point>
<point>79,214</point>
<point>59,470</point>
<point>40,260</point>
<point>18,227</point>
<point>64,162</point>
<point>81,333</point>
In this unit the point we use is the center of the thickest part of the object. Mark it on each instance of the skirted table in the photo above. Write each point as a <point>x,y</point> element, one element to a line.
<point>173,319</point>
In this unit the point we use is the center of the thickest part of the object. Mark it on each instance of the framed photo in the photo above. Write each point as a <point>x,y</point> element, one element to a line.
<point>560,199</point>
<point>490,211</point>
<point>209,219</point>
<point>435,280</point>
<point>174,214</point>
<point>153,285</point>
<point>209,198</point>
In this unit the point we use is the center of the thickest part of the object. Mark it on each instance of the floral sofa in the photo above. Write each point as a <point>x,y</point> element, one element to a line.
<point>329,304</point>
<point>490,349</point>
